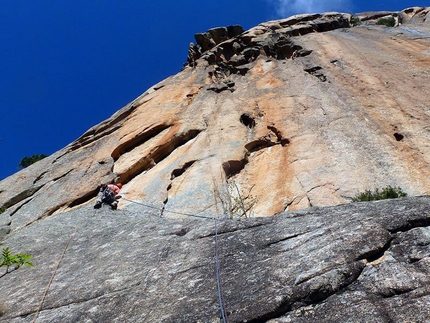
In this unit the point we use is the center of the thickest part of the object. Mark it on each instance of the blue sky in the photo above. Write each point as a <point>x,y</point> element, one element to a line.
<point>65,66</point>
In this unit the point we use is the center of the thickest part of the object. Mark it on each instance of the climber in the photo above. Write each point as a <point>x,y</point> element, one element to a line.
<point>108,194</point>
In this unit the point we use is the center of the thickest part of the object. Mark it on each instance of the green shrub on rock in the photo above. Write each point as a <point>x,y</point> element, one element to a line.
<point>389,22</point>
<point>27,161</point>
<point>355,21</point>
<point>388,192</point>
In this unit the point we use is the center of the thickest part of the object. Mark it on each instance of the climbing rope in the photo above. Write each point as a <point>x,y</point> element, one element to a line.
<point>56,268</point>
<point>218,275</point>
<point>167,210</point>
<point>217,266</point>
<point>215,218</point>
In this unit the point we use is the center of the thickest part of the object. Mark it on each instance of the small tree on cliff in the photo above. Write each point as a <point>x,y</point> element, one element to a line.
<point>13,261</point>
<point>27,161</point>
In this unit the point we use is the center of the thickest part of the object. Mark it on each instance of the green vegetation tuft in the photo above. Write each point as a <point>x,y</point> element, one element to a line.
<point>388,192</point>
<point>13,261</point>
<point>27,161</point>
<point>355,21</point>
<point>2,209</point>
<point>389,22</point>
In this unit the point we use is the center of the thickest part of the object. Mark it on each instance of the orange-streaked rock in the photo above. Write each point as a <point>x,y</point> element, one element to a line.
<point>293,112</point>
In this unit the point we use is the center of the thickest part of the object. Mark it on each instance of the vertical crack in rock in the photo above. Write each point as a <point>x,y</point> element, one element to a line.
<point>234,167</point>
<point>165,201</point>
<point>309,201</point>
<point>301,196</point>
<point>177,172</point>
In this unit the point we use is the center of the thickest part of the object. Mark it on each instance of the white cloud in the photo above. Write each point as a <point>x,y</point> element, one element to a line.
<point>286,8</point>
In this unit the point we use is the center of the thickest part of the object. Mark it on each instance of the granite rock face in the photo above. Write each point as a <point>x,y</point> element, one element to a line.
<point>304,111</point>
<point>361,262</point>
<point>287,119</point>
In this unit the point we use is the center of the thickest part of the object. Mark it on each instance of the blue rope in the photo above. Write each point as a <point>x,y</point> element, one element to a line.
<point>218,275</point>
<point>217,267</point>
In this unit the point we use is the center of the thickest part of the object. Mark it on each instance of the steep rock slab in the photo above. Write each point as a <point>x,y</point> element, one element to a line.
<point>357,262</point>
<point>290,116</point>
